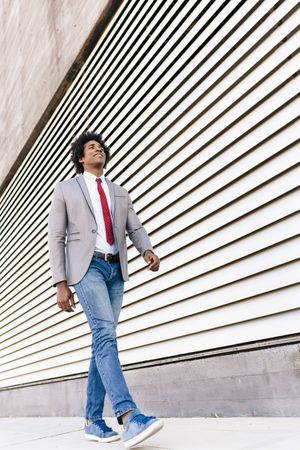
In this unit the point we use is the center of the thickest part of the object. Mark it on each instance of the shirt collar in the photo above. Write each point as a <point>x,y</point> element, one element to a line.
<point>91,177</point>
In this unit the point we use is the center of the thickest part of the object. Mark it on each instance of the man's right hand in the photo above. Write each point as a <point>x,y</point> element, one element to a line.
<point>65,297</point>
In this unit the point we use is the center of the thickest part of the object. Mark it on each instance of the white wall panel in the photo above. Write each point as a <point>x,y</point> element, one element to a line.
<point>199,103</point>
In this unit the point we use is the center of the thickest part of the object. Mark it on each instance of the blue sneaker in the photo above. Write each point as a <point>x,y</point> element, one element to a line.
<point>139,427</point>
<point>99,431</point>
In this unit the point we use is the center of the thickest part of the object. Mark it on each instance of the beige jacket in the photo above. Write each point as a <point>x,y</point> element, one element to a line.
<point>72,229</point>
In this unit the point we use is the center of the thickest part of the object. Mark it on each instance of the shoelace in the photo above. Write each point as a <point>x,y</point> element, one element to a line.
<point>141,418</point>
<point>102,425</point>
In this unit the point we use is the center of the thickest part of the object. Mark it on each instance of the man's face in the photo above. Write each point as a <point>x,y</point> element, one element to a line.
<point>94,155</point>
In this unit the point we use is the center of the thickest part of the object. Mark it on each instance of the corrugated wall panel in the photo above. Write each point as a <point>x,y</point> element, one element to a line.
<point>199,103</point>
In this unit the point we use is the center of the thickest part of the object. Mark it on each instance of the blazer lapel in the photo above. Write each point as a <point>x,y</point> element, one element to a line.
<point>112,196</point>
<point>82,184</point>
<point>80,180</point>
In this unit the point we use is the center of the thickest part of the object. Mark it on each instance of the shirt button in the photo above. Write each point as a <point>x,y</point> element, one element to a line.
<point>94,231</point>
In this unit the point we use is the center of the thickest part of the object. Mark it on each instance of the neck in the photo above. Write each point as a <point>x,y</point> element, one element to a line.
<point>95,171</point>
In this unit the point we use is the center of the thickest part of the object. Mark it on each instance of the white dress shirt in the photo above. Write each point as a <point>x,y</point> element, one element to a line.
<point>101,243</point>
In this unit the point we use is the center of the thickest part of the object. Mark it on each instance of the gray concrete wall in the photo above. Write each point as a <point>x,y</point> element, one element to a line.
<point>263,382</point>
<point>43,45</point>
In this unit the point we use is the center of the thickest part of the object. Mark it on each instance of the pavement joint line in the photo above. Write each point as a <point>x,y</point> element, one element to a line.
<point>68,432</point>
<point>42,437</point>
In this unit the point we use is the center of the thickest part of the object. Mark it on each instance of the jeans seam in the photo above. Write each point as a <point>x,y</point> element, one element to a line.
<point>111,272</point>
<point>108,382</point>
<point>95,349</point>
<point>119,414</point>
<point>81,287</point>
<point>93,418</point>
<point>107,272</point>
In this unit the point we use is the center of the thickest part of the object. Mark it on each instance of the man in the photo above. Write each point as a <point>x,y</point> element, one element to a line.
<point>88,218</point>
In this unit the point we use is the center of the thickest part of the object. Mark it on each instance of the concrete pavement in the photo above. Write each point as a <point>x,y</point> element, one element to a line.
<point>66,433</point>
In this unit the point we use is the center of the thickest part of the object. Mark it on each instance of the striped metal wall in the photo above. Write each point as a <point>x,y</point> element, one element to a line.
<point>199,102</point>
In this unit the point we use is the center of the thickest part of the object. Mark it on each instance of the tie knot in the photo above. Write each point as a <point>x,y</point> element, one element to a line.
<point>98,180</point>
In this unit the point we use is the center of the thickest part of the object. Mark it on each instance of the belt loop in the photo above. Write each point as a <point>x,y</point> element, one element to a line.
<point>105,257</point>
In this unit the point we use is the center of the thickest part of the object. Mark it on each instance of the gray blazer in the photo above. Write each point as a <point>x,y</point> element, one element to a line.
<point>72,229</point>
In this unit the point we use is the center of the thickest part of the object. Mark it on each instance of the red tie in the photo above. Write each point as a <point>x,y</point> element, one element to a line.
<point>106,214</point>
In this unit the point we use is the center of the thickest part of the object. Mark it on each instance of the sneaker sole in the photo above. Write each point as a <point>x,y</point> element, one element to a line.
<point>152,429</point>
<point>92,437</point>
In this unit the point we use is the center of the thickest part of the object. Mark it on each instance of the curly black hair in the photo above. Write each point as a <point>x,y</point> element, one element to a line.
<point>77,150</point>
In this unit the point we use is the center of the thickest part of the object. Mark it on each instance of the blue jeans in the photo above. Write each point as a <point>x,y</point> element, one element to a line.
<point>100,293</point>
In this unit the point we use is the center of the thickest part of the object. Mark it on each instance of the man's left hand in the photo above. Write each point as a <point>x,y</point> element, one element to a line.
<point>152,260</point>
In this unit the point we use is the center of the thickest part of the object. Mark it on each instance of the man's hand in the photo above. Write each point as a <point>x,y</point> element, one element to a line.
<point>65,297</point>
<point>152,260</point>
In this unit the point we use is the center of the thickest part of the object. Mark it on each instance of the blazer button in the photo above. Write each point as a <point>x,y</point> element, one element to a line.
<point>94,231</point>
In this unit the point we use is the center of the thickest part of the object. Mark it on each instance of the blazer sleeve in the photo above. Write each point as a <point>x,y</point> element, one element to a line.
<point>136,232</point>
<point>57,224</point>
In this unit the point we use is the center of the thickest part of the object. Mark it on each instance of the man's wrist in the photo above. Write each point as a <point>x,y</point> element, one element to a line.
<point>60,284</point>
<point>148,250</point>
